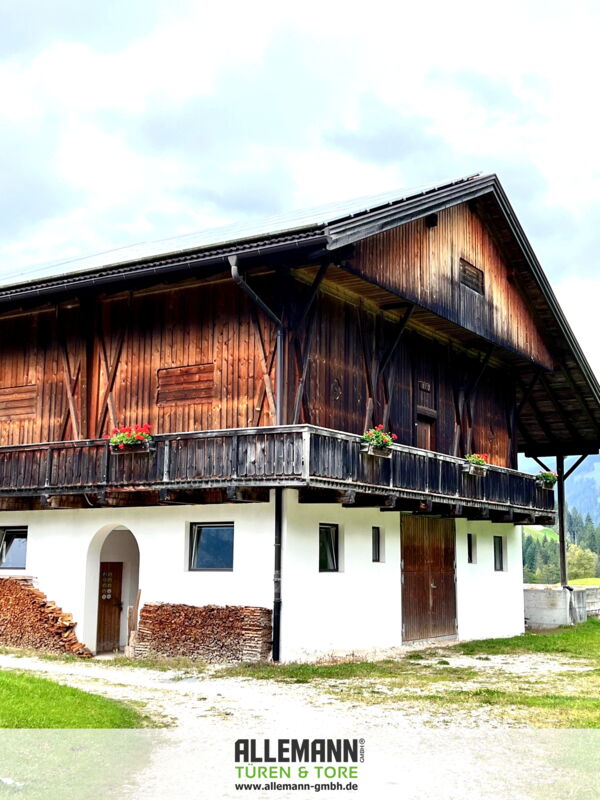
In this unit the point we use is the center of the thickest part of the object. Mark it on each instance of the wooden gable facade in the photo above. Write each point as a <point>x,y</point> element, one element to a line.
<point>426,325</point>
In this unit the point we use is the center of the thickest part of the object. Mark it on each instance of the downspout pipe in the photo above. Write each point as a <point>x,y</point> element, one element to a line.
<point>239,280</point>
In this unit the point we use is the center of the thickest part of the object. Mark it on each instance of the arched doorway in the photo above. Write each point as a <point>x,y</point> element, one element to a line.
<point>111,587</point>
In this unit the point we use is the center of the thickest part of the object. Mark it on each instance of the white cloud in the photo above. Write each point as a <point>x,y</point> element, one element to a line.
<point>480,89</point>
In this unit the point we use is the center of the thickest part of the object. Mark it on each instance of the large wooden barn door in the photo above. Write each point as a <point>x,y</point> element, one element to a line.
<point>109,606</point>
<point>428,586</point>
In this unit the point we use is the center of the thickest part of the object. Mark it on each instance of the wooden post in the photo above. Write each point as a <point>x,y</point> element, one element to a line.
<point>562,511</point>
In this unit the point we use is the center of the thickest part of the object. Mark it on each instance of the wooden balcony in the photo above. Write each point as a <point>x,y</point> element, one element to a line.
<point>294,456</point>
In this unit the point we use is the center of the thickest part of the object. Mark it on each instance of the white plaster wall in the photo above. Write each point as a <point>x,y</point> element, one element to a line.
<point>64,548</point>
<point>356,608</point>
<point>489,603</point>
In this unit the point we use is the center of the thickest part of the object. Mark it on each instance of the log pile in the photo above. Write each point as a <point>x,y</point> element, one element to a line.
<point>28,619</point>
<point>209,633</point>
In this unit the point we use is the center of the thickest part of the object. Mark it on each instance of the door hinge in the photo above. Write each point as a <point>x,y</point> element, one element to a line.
<point>402,579</point>
<point>401,563</point>
<point>403,629</point>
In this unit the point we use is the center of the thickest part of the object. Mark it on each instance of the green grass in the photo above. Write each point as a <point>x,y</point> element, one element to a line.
<point>30,702</point>
<point>537,710</point>
<point>581,641</point>
<point>402,671</point>
<point>159,663</point>
<point>428,682</point>
<point>584,582</point>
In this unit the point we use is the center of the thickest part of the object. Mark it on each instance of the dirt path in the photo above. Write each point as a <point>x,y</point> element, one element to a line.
<point>207,713</point>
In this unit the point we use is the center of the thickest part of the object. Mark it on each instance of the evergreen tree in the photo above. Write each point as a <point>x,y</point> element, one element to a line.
<point>575,525</point>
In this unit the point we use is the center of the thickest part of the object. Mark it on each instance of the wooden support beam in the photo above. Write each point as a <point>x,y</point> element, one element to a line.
<point>348,498</point>
<point>110,367</point>
<point>266,363</point>
<point>526,390</point>
<point>502,516</point>
<point>548,433</point>
<point>560,410</point>
<point>472,394</point>
<point>523,518</point>
<point>70,380</point>
<point>577,393</point>
<point>385,360</point>
<point>541,463</point>
<point>574,466</point>
<point>543,519</point>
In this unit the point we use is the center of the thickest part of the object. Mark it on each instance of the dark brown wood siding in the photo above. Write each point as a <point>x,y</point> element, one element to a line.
<point>425,380</point>
<point>422,264</point>
<point>75,370</point>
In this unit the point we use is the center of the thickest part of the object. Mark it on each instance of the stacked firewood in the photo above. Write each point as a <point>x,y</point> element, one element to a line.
<point>208,633</point>
<point>28,619</point>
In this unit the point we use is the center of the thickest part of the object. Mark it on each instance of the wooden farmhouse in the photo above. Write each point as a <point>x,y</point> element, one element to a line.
<point>257,523</point>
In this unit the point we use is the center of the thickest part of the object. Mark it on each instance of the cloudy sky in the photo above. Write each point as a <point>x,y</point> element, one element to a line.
<point>130,121</point>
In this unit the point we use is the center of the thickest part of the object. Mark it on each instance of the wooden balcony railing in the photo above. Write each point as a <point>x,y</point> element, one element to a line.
<point>292,456</point>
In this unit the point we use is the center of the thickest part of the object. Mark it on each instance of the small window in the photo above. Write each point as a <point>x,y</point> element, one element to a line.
<point>329,540</point>
<point>211,546</point>
<point>499,553</point>
<point>471,548</point>
<point>13,548</point>
<point>472,277</point>
<point>377,544</point>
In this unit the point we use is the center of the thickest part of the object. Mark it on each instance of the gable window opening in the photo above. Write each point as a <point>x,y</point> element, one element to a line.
<point>13,548</point>
<point>377,544</point>
<point>329,542</point>
<point>211,546</point>
<point>472,277</point>
<point>471,548</point>
<point>499,554</point>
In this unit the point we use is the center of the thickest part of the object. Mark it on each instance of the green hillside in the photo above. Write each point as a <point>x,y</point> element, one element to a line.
<point>538,532</point>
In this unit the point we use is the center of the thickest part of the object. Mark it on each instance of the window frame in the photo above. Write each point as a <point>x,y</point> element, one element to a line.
<point>13,530</point>
<point>193,540</point>
<point>471,548</point>
<point>377,545</point>
<point>501,552</point>
<point>335,528</point>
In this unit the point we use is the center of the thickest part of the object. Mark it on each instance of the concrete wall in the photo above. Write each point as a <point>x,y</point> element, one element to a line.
<point>358,607</point>
<point>552,606</point>
<point>592,601</point>
<point>489,603</point>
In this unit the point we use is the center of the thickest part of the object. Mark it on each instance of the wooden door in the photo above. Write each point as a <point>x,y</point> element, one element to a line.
<point>109,606</point>
<point>428,578</point>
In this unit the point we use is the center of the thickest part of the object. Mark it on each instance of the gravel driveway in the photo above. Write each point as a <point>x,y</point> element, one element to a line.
<point>409,751</point>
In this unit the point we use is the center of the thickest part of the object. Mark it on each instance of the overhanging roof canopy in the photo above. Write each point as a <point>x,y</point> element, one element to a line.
<point>559,411</point>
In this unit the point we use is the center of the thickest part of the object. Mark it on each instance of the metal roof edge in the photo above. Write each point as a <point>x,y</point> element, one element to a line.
<point>377,221</point>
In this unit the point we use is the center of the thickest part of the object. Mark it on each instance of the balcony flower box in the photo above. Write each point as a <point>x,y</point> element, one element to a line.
<point>546,480</point>
<point>131,439</point>
<point>478,470</point>
<point>377,442</point>
<point>141,447</point>
<point>372,450</point>
<point>477,464</point>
